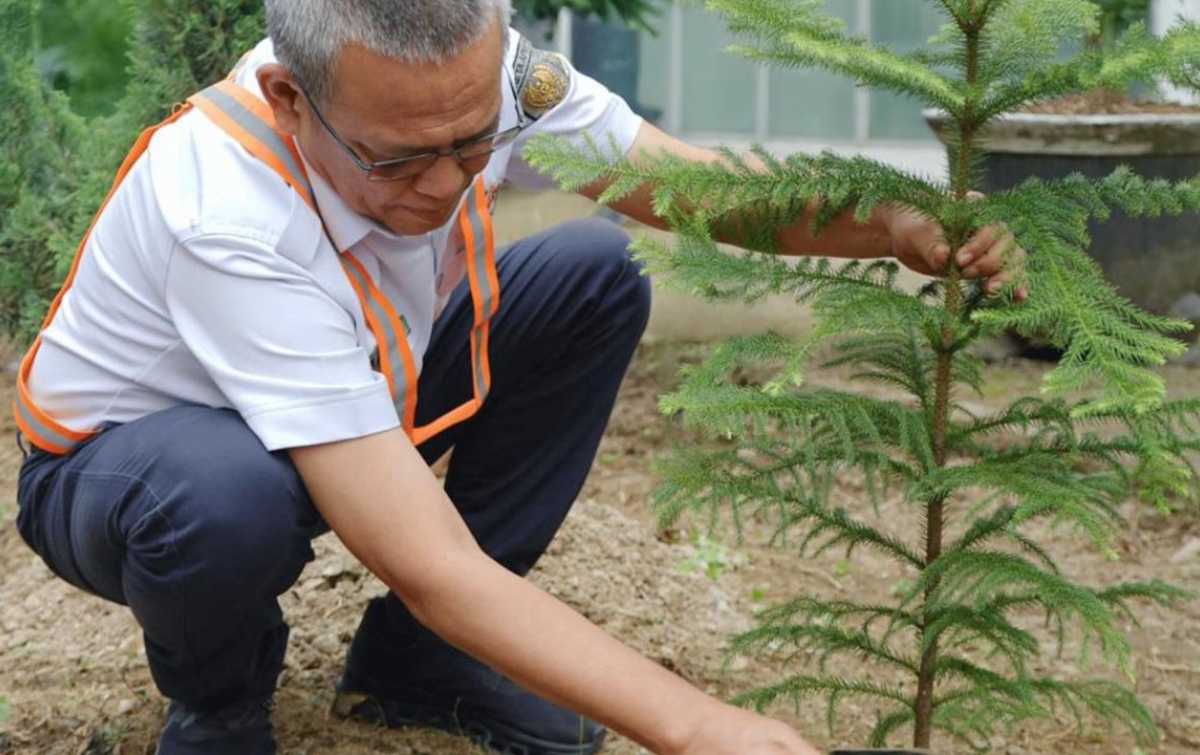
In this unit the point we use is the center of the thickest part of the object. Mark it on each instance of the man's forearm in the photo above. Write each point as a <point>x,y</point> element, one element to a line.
<point>542,644</point>
<point>842,237</point>
<point>383,502</point>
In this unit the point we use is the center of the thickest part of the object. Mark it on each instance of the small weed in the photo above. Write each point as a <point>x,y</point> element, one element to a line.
<point>709,556</point>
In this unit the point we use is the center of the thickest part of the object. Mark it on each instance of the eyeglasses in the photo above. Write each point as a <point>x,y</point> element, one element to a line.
<point>472,155</point>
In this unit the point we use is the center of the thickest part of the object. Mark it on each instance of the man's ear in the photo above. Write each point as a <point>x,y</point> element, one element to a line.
<point>282,94</point>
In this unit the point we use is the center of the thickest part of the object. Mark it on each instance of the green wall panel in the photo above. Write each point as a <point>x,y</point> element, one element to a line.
<point>811,103</point>
<point>718,86</point>
<point>903,25</point>
<point>719,90</point>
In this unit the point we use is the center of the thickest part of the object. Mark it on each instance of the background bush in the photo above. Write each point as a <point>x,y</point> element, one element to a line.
<point>75,102</point>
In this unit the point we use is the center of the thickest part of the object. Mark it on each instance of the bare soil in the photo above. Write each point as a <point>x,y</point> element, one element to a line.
<point>74,677</point>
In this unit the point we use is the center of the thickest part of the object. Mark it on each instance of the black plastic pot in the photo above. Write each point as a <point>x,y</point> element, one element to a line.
<point>610,52</point>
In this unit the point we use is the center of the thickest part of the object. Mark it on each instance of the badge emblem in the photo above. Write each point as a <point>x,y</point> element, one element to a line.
<point>545,83</point>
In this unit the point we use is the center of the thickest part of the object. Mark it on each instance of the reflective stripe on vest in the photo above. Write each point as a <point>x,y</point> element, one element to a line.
<point>250,122</point>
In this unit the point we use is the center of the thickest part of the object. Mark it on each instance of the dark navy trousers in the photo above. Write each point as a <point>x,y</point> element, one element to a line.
<point>185,517</point>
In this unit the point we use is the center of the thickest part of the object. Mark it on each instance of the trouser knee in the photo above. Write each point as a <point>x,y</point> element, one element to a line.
<point>187,518</point>
<point>238,517</point>
<point>185,500</point>
<point>597,262</point>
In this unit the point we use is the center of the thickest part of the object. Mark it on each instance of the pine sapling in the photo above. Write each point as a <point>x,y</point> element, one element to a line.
<point>955,652</point>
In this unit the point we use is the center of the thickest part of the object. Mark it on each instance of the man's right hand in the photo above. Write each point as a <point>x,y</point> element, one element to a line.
<point>740,732</point>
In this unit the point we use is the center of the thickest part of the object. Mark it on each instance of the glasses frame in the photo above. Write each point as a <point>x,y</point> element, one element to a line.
<point>498,139</point>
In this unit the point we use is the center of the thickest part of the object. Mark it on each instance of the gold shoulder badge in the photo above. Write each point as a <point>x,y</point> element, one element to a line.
<point>545,83</point>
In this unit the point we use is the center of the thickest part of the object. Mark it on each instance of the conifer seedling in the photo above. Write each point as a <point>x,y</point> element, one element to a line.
<point>957,651</point>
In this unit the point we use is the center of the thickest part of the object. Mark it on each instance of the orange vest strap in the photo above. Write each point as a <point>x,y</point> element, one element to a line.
<point>250,122</point>
<point>35,424</point>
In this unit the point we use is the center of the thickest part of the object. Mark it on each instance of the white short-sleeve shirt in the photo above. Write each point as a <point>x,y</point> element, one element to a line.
<point>207,280</point>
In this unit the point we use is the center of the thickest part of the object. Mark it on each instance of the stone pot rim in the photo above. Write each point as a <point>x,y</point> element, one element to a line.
<point>1088,118</point>
<point>1110,134</point>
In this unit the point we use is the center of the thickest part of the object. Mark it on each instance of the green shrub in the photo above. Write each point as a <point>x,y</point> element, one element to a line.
<point>82,47</point>
<point>57,164</point>
<point>636,13</point>
<point>953,650</point>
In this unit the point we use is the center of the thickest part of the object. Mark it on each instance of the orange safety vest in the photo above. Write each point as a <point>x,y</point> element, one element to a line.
<point>249,120</point>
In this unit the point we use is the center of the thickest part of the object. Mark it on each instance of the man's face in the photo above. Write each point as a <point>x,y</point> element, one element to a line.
<point>384,108</point>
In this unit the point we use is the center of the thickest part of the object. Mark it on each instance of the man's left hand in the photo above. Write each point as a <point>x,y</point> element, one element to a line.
<point>991,253</point>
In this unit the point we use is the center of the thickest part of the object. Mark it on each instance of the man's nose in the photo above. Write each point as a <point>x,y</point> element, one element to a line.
<point>444,179</point>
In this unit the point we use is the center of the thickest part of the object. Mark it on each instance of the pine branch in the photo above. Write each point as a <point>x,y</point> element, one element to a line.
<point>1106,339</point>
<point>895,353</point>
<point>823,415</point>
<point>1045,82</point>
<point>742,201</point>
<point>706,481</point>
<point>1109,703</point>
<point>979,576</point>
<point>1042,483</point>
<point>830,528</point>
<point>793,33</point>
<point>972,714</point>
<point>1070,291</point>
<point>1151,456</point>
<point>764,476</point>
<point>800,688</point>
<point>1024,37</point>
<point>699,267</point>
<point>1139,58</point>
<point>888,724</point>
<point>959,626</point>
<point>819,642</point>
<point>1023,416</point>
<point>1001,523</point>
<point>951,668</point>
<point>808,608</point>
<point>1155,591</point>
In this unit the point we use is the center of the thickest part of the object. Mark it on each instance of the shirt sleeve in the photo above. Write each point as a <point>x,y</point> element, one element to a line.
<point>282,350</point>
<point>587,109</point>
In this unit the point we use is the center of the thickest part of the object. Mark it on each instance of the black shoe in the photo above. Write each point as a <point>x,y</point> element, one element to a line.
<point>421,680</point>
<point>241,729</point>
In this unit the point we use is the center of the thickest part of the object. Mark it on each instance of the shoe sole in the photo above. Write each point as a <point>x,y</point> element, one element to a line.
<point>494,736</point>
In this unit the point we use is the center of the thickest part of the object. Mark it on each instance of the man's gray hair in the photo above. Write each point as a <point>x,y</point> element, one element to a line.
<point>308,34</point>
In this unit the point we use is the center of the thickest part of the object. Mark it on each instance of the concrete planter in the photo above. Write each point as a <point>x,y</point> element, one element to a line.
<point>1155,262</point>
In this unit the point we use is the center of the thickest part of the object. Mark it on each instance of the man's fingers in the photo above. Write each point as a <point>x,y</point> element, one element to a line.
<point>997,283</point>
<point>1000,262</point>
<point>938,256</point>
<point>988,251</point>
<point>987,265</point>
<point>978,245</point>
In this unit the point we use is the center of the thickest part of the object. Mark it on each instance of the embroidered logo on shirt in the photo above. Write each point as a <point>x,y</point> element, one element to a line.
<point>542,78</point>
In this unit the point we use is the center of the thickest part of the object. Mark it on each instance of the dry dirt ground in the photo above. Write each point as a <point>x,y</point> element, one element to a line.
<point>73,679</point>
